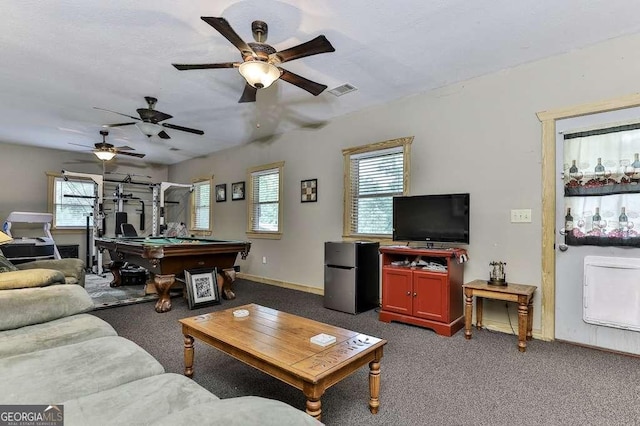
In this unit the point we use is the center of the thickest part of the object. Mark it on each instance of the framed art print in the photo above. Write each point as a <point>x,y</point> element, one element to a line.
<point>309,191</point>
<point>202,287</point>
<point>221,192</point>
<point>237,191</point>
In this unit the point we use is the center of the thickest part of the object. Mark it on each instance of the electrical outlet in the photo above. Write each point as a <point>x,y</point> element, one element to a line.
<point>264,259</point>
<point>521,216</point>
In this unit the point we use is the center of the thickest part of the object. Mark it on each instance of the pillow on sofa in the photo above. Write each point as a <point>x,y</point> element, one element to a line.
<point>30,278</point>
<point>5,265</point>
<point>27,306</point>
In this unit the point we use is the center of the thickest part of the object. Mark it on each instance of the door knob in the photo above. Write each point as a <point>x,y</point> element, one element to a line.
<point>563,247</point>
<point>415,294</point>
<point>408,293</point>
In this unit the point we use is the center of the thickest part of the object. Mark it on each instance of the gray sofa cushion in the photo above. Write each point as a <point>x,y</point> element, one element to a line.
<point>27,306</point>
<point>67,372</point>
<point>142,402</point>
<point>241,411</point>
<point>6,265</point>
<point>60,332</point>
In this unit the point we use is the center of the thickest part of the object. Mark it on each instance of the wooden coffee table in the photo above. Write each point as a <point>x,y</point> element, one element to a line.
<point>278,344</point>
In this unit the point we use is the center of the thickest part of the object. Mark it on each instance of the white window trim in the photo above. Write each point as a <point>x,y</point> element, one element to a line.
<point>274,235</point>
<point>347,153</point>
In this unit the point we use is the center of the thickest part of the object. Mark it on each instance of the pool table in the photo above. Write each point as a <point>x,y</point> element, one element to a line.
<point>168,257</point>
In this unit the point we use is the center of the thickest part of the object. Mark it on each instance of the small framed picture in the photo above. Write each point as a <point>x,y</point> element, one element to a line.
<point>237,191</point>
<point>221,192</point>
<point>202,287</point>
<point>309,191</point>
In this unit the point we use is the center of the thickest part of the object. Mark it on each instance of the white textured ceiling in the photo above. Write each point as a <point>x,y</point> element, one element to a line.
<point>62,58</point>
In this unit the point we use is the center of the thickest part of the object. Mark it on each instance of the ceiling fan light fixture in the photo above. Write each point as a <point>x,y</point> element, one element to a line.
<point>149,129</point>
<point>259,74</point>
<point>105,155</point>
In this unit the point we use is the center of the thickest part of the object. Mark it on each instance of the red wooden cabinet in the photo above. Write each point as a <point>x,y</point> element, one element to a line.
<point>418,296</point>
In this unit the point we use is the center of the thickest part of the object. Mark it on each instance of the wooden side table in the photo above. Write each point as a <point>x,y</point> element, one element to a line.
<point>519,293</point>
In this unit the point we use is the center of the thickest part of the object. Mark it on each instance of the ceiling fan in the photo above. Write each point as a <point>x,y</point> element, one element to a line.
<point>149,121</point>
<point>260,61</point>
<point>106,151</point>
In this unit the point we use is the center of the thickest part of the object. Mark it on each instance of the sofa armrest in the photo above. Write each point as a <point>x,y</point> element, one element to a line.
<point>27,306</point>
<point>71,268</point>
<point>30,278</point>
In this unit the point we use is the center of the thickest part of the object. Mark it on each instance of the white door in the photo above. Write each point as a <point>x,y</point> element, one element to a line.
<point>573,304</point>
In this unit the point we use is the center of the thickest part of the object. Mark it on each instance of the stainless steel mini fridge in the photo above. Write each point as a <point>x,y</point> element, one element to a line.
<point>351,276</point>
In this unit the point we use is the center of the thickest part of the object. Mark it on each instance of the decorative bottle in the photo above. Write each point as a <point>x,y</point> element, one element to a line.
<point>623,220</point>
<point>636,166</point>
<point>595,219</point>
<point>573,168</point>
<point>599,166</point>
<point>568,221</point>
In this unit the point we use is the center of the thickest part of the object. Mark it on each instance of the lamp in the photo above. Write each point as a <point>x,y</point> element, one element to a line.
<point>4,238</point>
<point>259,74</point>
<point>149,129</point>
<point>105,155</point>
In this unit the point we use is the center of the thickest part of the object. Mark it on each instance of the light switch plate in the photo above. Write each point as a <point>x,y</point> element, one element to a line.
<point>521,216</point>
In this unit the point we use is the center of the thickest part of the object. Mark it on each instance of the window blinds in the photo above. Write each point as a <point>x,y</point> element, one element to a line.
<point>73,202</point>
<point>375,178</point>
<point>201,205</point>
<point>265,198</point>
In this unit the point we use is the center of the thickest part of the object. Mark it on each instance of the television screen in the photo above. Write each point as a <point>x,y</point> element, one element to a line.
<point>433,218</point>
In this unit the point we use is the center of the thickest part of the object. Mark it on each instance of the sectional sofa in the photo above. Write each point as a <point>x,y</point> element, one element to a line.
<point>53,352</point>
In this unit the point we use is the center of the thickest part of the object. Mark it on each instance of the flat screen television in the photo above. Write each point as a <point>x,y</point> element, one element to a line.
<point>432,218</point>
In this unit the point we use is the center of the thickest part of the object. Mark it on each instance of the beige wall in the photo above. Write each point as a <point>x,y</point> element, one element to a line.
<point>24,184</point>
<point>480,136</point>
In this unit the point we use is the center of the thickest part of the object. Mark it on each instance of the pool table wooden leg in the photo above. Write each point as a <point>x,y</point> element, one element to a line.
<point>163,283</point>
<point>227,293</point>
<point>114,267</point>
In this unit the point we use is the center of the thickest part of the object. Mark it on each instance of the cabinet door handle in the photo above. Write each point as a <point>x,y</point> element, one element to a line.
<point>415,294</point>
<point>408,293</point>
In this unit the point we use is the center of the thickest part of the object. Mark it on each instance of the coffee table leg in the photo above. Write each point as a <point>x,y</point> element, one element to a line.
<point>188,356</point>
<point>313,394</point>
<point>374,385</point>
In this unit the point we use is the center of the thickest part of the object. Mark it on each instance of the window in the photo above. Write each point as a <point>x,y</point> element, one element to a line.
<point>201,206</point>
<point>265,201</point>
<point>72,202</point>
<point>374,175</point>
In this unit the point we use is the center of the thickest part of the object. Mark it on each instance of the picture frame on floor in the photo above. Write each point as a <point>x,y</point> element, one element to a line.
<point>202,287</point>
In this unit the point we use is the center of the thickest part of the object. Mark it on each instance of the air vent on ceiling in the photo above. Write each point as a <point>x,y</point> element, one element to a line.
<point>174,149</point>
<point>341,90</point>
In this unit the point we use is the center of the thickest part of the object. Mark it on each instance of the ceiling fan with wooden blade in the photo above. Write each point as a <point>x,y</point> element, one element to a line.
<point>149,121</point>
<point>260,65</point>
<point>105,151</point>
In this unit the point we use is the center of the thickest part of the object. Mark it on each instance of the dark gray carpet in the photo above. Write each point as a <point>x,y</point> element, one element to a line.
<point>426,379</point>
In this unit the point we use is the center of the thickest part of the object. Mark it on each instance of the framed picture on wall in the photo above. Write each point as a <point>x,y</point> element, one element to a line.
<point>202,287</point>
<point>237,191</point>
<point>309,191</point>
<point>221,192</point>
